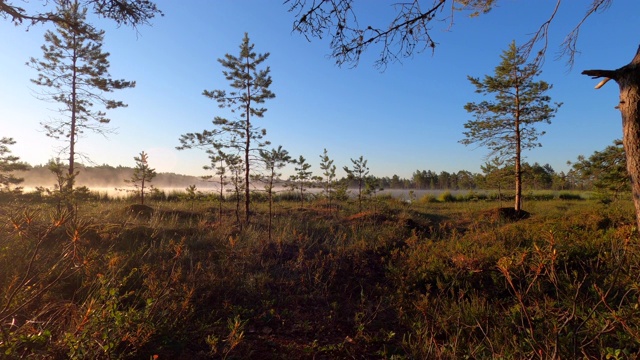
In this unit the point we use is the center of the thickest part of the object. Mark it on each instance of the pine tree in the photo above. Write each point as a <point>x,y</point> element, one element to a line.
<point>192,194</point>
<point>329,173</point>
<point>358,172</point>
<point>218,164</point>
<point>506,124</point>
<point>302,178</point>
<point>494,174</point>
<point>63,191</point>
<point>143,174</point>
<point>274,160</point>
<point>74,73</point>
<point>236,168</point>
<point>606,170</point>
<point>250,89</point>
<point>8,164</point>
<point>372,185</point>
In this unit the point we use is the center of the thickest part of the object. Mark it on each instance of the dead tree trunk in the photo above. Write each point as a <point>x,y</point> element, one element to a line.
<point>628,78</point>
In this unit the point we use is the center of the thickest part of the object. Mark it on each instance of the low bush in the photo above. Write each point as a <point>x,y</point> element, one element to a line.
<point>427,198</point>
<point>569,196</point>
<point>539,196</point>
<point>446,197</point>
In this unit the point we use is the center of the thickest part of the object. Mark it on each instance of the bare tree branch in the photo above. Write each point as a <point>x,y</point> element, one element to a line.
<point>409,30</point>
<point>123,12</point>
<point>542,35</point>
<point>569,47</point>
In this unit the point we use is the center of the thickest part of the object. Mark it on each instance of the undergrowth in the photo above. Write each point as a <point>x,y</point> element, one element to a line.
<point>434,279</point>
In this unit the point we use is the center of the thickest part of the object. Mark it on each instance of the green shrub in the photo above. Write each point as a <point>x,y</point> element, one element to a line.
<point>286,196</point>
<point>472,196</point>
<point>259,196</point>
<point>569,196</point>
<point>446,197</point>
<point>427,198</point>
<point>539,196</point>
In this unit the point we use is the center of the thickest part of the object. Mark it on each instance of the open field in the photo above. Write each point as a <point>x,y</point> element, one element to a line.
<point>397,280</point>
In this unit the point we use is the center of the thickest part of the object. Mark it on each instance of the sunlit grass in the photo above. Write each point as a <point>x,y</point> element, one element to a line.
<point>422,279</point>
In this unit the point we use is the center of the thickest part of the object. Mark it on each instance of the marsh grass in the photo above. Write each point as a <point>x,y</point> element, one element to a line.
<point>428,279</point>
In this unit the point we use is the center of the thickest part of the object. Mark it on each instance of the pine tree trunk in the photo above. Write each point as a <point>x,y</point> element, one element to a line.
<point>270,195</point>
<point>247,170</point>
<point>518,142</point>
<point>74,110</point>
<point>518,202</point>
<point>301,194</point>
<point>142,192</point>
<point>221,198</point>
<point>247,190</point>
<point>360,194</point>
<point>629,107</point>
<point>329,194</point>
<point>628,78</point>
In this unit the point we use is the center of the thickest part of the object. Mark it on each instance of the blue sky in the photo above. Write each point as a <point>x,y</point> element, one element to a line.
<point>406,118</point>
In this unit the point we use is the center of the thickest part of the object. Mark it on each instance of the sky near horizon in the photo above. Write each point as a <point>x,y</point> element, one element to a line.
<point>408,117</point>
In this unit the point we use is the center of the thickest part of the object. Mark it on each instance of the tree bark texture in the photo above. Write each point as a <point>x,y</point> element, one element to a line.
<point>628,78</point>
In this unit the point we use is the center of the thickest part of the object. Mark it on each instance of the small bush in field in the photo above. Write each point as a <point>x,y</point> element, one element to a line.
<point>446,196</point>
<point>259,196</point>
<point>286,196</point>
<point>427,198</point>
<point>473,196</point>
<point>569,196</point>
<point>539,196</point>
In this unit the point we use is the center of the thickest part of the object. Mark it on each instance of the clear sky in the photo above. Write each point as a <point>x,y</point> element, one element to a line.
<point>406,118</point>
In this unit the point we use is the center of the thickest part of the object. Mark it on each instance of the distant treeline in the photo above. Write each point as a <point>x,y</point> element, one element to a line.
<point>536,177</point>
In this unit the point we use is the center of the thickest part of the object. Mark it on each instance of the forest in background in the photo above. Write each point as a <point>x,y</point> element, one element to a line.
<point>536,177</point>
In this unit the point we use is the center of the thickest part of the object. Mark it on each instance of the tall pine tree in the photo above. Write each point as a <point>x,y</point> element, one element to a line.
<point>74,73</point>
<point>507,124</point>
<point>249,90</point>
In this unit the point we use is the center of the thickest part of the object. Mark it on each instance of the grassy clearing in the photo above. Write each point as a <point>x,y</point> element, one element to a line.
<point>431,279</point>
